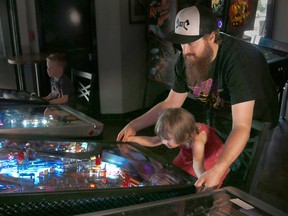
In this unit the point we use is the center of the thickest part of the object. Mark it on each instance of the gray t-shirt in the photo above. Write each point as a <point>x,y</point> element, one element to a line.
<point>63,86</point>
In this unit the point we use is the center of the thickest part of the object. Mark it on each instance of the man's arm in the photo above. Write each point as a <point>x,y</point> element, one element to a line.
<point>242,114</point>
<point>149,118</point>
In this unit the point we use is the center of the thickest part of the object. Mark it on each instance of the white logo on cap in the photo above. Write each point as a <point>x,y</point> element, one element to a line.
<point>182,24</point>
<point>187,22</point>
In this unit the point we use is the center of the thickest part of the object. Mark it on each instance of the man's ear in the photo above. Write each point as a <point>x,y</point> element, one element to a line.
<point>212,37</point>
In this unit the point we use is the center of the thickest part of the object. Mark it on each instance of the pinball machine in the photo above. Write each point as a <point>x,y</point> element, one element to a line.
<point>68,177</point>
<point>276,54</point>
<point>14,96</point>
<point>47,121</point>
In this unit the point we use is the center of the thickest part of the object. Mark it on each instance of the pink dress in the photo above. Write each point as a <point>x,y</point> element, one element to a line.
<point>213,150</point>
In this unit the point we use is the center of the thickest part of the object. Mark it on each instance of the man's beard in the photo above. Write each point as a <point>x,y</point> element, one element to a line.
<point>197,70</point>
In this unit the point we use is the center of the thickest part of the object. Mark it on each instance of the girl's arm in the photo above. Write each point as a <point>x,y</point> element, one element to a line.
<point>198,153</point>
<point>146,140</point>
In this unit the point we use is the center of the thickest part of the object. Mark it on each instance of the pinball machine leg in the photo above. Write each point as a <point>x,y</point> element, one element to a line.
<point>284,101</point>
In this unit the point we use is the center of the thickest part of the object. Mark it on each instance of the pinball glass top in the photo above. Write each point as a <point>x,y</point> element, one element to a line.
<point>28,166</point>
<point>272,55</point>
<point>13,96</point>
<point>272,50</point>
<point>47,120</point>
<point>225,201</point>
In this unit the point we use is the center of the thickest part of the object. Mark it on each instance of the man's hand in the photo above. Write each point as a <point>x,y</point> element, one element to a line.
<point>209,179</point>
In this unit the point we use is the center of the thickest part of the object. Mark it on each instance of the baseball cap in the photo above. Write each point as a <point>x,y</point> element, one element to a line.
<point>191,24</point>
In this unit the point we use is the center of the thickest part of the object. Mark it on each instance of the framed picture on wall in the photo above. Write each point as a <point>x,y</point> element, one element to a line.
<point>137,11</point>
<point>161,53</point>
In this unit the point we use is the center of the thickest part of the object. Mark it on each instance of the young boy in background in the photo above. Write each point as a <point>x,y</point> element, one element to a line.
<point>62,90</point>
<point>200,146</point>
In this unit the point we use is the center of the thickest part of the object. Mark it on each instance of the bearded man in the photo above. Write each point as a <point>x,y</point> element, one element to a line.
<point>228,75</point>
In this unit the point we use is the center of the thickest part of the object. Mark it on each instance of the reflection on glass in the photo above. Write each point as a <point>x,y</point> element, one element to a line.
<point>34,117</point>
<point>35,166</point>
<point>10,94</point>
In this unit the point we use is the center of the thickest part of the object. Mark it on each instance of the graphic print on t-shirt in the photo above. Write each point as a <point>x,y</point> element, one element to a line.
<point>207,92</point>
<point>56,89</point>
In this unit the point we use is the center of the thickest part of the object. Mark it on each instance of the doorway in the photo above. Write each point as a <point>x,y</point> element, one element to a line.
<point>7,72</point>
<point>69,26</point>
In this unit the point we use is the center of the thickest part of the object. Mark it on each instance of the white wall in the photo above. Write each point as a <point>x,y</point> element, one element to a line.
<point>121,58</point>
<point>133,42</point>
<point>108,24</point>
<point>280,20</point>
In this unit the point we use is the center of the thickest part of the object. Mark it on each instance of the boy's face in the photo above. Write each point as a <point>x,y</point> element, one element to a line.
<point>54,69</point>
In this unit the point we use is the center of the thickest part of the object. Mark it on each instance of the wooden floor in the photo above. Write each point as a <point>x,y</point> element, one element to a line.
<point>273,185</point>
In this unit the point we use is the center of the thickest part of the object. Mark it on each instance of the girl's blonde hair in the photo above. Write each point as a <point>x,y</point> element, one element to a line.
<point>178,123</point>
